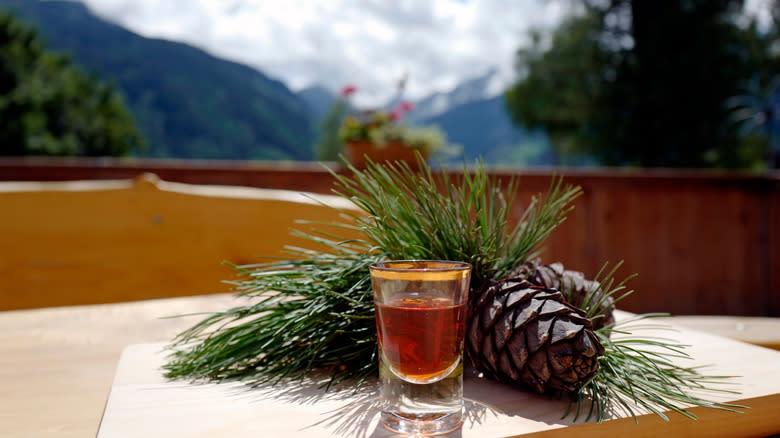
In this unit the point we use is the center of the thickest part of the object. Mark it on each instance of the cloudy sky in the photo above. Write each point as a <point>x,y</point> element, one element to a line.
<point>368,43</point>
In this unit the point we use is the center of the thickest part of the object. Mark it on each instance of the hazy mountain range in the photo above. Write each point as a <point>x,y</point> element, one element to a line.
<point>190,104</point>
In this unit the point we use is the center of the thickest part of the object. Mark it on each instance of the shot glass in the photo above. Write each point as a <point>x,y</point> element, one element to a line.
<point>420,318</point>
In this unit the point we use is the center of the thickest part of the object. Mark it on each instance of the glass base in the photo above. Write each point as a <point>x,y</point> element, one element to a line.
<point>423,424</point>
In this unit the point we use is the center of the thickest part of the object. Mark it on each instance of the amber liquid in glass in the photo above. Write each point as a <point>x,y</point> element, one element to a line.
<point>420,337</point>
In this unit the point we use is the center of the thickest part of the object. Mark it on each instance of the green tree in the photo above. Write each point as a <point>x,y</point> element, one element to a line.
<point>642,82</point>
<point>329,146</point>
<point>561,85</point>
<point>48,106</point>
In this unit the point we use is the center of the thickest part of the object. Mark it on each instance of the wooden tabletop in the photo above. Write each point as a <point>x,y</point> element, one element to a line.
<point>57,364</point>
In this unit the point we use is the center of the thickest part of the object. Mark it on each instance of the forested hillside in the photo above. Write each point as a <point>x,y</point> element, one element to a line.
<point>187,103</point>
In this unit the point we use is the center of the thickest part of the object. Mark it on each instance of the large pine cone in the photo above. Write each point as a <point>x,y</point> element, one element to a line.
<point>529,335</point>
<point>574,287</point>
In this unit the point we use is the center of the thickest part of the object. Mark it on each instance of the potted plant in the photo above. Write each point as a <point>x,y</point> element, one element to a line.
<point>381,136</point>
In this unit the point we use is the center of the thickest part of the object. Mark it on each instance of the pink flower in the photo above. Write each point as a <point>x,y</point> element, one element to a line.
<point>400,108</point>
<point>347,90</point>
<point>405,106</point>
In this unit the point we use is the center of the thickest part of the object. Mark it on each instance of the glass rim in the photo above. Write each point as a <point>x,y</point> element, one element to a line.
<point>452,265</point>
<point>412,269</point>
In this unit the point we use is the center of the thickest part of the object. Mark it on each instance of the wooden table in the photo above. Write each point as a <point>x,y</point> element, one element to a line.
<point>57,364</point>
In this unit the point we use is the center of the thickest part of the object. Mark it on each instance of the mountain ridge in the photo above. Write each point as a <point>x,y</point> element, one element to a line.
<point>187,103</point>
<point>481,87</point>
<point>496,141</point>
<point>191,104</point>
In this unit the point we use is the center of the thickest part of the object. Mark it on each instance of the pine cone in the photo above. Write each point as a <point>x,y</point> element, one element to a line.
<point>529,335</point>
<point>572,284</point>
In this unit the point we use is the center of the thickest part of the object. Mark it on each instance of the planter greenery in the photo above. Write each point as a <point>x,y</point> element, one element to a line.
<point>382,136</point>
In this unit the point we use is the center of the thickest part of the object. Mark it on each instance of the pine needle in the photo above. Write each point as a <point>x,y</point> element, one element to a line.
<point>314,309</point>
<point>638,371</point>
<point>312,313</point>
<point>413,215</point>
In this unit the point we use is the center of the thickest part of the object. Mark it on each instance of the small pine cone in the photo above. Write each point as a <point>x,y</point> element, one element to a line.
<point>572,284</point>
<point>529,335</point>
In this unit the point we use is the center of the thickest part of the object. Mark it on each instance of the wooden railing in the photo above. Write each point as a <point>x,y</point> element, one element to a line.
<point>701,242</point>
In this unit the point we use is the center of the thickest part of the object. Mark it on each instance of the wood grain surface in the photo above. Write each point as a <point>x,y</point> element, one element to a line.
<point>703,242</point>
<point>91,242</point>
<point>57,366</point>
<point>143,403</point>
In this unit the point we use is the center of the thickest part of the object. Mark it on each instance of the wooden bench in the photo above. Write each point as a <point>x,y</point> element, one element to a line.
<point>87,242</point>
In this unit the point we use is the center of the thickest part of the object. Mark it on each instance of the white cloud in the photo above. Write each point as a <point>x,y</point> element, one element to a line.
<point>368,43</point>
<point>761,10</point>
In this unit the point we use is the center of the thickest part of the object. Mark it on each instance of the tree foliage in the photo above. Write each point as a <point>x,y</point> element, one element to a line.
<point>329,146</point>
<point>562,85</point>
<point>186,102</point>
<point>48,106</point>
<point>644,83</point>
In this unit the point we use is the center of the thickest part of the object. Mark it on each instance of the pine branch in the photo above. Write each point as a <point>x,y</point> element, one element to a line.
<point>413,215</point>
<point>637,372</point>
<point>315,310</point>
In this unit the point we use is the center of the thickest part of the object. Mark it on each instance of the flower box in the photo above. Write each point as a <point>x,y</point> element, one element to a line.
<point>357,153</point>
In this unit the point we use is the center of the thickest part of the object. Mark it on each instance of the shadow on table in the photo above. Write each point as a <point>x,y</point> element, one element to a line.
<point>357,411</point>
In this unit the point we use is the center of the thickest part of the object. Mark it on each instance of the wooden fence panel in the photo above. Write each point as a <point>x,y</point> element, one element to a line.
<point>698,244</point>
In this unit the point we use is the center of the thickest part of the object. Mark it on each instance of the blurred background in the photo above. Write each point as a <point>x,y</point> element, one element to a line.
<point>575,83</point>
<point>667,113</point>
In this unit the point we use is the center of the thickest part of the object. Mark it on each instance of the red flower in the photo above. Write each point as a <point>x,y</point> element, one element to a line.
<point>405,106</point>
<point>400,108</point>
<point>347,90</point>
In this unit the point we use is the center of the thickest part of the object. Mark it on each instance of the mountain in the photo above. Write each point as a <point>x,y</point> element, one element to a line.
<point>473,115</point>
<point>485,131</point>
<point>318,98</point>
<point>187,103</point>
<point>473,90</point>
